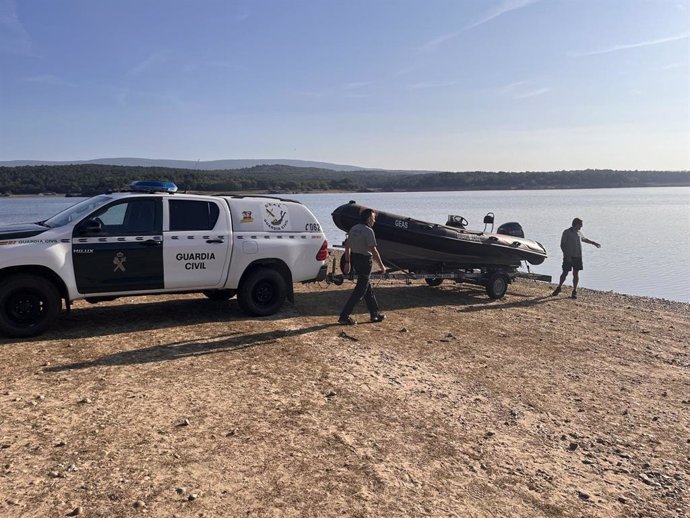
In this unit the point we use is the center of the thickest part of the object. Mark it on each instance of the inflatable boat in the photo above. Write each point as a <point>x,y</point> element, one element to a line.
<point>418,246</point>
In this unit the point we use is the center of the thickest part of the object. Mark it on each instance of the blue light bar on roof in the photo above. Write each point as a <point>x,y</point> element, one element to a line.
<point>152,186</point>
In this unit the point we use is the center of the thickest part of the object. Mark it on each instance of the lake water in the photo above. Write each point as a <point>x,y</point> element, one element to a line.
<point>644,233</point>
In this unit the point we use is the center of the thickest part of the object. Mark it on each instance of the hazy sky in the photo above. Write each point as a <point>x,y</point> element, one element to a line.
<point>409,84</point>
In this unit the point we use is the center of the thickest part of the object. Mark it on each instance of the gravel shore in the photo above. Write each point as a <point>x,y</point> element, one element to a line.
<point>455,405</point>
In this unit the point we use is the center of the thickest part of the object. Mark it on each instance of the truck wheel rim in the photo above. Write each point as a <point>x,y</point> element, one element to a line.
<point>264,293</point>
<point>25,308</point>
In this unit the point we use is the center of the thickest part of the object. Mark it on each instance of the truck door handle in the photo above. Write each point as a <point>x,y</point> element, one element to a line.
<point>151,242</point>
<point>210,241</point>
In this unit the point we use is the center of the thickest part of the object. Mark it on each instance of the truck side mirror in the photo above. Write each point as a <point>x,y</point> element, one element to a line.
<point>90,226</point>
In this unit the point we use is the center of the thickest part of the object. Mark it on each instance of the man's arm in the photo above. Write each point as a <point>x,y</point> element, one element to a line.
<point>347,253</point>
<point>590,242</point>
<point>377,257</point>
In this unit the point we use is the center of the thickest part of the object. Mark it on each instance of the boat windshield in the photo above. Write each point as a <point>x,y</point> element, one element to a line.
<point>76,211</point>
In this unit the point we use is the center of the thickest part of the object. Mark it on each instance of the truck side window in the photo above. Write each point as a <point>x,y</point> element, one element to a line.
<point>131,217</point>
<point>193,215</point>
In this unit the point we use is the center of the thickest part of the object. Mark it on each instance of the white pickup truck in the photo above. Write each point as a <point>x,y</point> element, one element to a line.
<point>153,240</point>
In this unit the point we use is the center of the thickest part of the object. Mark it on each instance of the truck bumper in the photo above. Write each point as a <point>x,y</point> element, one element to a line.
<point>321,275</point>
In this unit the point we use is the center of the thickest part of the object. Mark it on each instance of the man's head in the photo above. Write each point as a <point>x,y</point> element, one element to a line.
<point>577,223</point>
<point>368,217</point>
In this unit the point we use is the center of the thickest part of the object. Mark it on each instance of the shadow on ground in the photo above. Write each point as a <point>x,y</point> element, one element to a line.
<point>151,314</point>
<point>189,348</point>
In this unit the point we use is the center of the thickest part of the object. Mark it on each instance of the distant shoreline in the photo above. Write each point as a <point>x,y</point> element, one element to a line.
<point>335,191</point>
<point>285,180</point>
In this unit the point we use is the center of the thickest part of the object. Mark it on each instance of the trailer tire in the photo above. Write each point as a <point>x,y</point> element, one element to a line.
<point>434,281</point>
<point>497,285</point>
<point>219,295</point>
<point>262,292</point>
<point>29,304</point>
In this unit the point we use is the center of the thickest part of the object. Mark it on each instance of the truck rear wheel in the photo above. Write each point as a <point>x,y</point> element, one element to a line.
<point>497,285</point>
<point>434,281</point>
<point>28,305</point>
<point>262,292</point>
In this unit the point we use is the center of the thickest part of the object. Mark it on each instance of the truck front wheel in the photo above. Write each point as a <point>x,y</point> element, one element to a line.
<point>28,305</point>
<point>262,292</point>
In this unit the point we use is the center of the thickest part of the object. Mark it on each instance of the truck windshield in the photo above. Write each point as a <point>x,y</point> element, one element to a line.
<point>77,211</point>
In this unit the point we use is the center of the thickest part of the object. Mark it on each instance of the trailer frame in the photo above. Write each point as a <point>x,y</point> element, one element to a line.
<point>494,279</point>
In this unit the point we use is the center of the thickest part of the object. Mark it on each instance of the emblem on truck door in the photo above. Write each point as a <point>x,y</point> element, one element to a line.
<point>247,217</point>
<point>119,262</point>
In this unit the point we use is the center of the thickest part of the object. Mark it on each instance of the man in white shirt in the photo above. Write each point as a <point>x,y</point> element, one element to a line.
<point>360,252</point>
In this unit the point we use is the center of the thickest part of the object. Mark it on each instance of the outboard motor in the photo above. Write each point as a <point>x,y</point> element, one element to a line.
<point>512,228</point>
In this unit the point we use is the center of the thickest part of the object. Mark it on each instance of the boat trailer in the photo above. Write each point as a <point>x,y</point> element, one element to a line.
<point>495,280</point>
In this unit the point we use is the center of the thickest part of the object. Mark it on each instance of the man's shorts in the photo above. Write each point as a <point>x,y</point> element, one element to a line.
<point>572,263</point>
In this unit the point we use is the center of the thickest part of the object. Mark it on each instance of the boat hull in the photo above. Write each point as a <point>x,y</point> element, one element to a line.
<point>410,244</point>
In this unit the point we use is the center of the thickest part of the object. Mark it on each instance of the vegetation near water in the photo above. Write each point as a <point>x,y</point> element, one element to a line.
<point>89,179</point>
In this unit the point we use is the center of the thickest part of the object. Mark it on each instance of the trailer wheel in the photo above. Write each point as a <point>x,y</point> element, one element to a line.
<point>497,285</point>
<point>262,292</point>
<point>434,281</point>
<point>219,294</point>
<point>28,305</point>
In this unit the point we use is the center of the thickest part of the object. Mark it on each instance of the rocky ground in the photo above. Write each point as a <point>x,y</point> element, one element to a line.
<point>455,405</point>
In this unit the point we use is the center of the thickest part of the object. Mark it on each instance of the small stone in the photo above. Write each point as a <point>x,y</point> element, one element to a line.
<point>139,504</point>
<point>664,393</point>
<point>232,433</point>
<point>404,330</point>
<point>40,397</point>
<point>192,497</point>
<point>180,490</point>
<point>184,422</point>
<point>644,478</point>
<point>85,401</point>
<point>573,446</point>
<point>622,500</point>
<point>489,434</point>
<point>60,444</point>
<point>582,495</point>
<point>54,474</point>
<point>76,511</point>
<point>330,394</point>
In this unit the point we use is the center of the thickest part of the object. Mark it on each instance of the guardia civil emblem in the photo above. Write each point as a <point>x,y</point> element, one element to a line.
<point>275,216</point>
<point>119,262</point>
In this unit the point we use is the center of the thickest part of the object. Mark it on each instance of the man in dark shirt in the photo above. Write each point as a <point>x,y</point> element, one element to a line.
<point>360,249</point>
<point>571,245</point>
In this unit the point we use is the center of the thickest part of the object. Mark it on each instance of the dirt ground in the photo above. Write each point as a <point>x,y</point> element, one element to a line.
<point>455,405</point>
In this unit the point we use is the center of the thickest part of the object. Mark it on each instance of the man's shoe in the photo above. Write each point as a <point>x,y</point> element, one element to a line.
<point>378,317</point>
<point>574,295</point>
<point>349,321</point>
<point>556,291</point>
